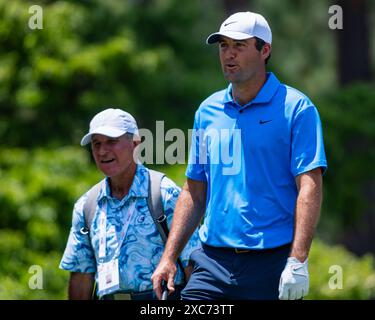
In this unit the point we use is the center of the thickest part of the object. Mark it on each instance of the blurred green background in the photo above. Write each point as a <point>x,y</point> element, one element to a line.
<point>149,57</point>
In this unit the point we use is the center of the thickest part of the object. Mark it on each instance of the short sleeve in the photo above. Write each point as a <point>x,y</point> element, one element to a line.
<point>169,193</point>
<point>78,255</point>
<point>307,148</point>
<point>197,155</point>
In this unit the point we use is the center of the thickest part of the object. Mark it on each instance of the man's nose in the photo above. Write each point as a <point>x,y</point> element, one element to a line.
<point>102,150</point>
<point>231,53</point>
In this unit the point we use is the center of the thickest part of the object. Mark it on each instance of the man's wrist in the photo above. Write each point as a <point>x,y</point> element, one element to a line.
<point>300,255</point>
<point>299,259</point>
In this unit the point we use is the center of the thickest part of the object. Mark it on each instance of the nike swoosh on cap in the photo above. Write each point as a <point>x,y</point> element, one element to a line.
<point>228,23</point>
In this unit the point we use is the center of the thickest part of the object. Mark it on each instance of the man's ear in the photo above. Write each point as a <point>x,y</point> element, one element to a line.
<point>136,142</point>
<point>266,50</point>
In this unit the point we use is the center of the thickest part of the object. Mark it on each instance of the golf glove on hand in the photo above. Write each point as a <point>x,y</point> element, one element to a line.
<point>294,280</point>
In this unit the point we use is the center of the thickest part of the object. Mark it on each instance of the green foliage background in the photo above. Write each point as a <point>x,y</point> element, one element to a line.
<point>149,58</point>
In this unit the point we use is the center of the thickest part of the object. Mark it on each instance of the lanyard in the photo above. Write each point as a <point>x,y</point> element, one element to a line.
<point>103,230</point>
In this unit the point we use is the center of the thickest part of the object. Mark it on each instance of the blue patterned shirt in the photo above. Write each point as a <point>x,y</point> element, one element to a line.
<point>142,247</point>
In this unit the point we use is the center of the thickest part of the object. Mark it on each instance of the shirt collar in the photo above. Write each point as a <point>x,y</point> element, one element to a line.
<point>264,95</point>
<point>138,189</point>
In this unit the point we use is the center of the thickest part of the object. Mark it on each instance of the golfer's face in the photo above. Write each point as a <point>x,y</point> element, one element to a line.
<point>113,156</point>
<point>240,60</point>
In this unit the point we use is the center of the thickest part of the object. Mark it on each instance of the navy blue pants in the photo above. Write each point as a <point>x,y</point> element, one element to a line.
<point>221,273</point>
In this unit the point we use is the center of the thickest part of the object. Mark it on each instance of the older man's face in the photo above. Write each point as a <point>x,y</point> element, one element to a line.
<point>113,156</point>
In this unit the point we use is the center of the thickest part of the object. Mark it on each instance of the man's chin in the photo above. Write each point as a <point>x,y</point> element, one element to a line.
<point>107,172</point>
<point>230,76</point>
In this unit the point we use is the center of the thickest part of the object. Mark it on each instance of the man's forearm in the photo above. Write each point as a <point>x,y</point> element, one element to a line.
<point>81,286</point>
<point>186,218</point>
<point>307,214</point>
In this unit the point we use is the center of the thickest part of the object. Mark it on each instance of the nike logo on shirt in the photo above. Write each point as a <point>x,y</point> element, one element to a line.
<point>263,122</point>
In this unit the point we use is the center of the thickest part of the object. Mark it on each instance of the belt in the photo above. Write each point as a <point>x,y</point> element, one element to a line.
<point>240,250</point>
<point>144,295</point>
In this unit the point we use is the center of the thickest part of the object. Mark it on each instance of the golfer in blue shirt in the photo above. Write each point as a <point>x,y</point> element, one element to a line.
<point>254,175</point>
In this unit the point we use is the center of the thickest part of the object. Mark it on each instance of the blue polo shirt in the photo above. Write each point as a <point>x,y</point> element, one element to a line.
<point>249,156</point>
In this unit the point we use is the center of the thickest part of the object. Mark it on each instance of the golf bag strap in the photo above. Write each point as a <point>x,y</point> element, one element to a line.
<point>90,205</point>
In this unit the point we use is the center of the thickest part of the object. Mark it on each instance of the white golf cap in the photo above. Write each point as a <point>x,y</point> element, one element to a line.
<point>111,123</point>
<point>241,26</point>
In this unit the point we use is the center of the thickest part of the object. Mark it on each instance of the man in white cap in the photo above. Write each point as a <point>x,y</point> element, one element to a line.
<point>121,245</point>
<point>259,220</point>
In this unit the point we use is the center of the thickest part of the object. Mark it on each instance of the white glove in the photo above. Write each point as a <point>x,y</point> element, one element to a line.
<point>294,280</point>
